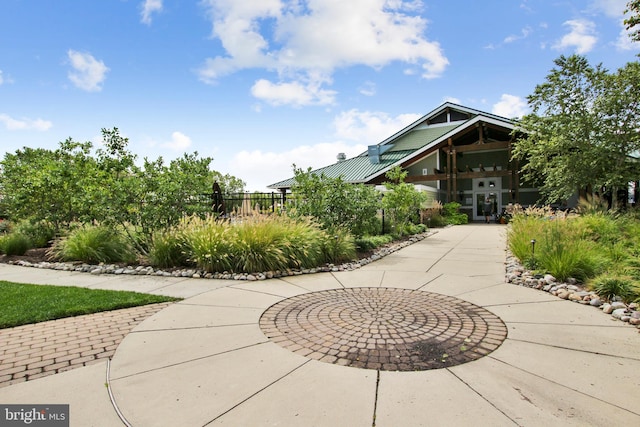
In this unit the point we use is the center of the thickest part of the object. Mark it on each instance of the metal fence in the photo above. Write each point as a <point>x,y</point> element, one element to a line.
<point>247,204</point>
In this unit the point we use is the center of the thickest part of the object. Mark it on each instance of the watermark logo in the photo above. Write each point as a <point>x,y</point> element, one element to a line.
<point>34,415</point>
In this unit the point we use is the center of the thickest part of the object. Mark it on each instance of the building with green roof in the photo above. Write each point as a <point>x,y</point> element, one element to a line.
<point>455,153</point>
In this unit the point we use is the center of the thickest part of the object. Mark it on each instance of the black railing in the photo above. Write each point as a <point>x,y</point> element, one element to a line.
<point>245,204</point>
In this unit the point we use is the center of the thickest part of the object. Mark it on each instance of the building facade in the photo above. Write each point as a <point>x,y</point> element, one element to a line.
<point>454,153</point>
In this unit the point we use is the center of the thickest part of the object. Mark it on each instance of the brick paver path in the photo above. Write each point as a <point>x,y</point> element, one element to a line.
<point>37,350</point>
<point>384,328</point>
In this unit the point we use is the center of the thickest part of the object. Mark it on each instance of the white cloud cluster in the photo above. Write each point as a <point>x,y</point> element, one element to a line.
<point>524,33</point>
<point>24,124</point>
<point>370,127</point>
<point>149,7</point>
<point>354,131</point>
<point>261,168</point>
<point>179,142</point>
<point>581,36</point>
<point>87,72</point>
<point>510,106</point>
<point>305,41</point>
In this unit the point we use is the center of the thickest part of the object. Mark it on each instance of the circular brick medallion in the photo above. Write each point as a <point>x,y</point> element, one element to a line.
<point>383,328</point>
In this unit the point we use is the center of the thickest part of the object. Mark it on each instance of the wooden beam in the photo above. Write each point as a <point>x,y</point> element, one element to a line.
<point>431,177</point>
<point>485,174</point>
<point>483,147</point>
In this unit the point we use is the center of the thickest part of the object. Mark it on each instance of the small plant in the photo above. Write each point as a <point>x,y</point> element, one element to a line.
<point>14,244</point>
<point>168,249</point>
<point>368,243</point>
<point>92,244</point>
<point>40,233</point>
<point>258,246</point>
<point>609,286</point>
<point>450,211</point>
<point>338,246</point>
<point>210,244</point>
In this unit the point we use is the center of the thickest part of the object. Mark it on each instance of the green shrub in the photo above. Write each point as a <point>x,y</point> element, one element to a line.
<point>40,233</point>
<point>338,246</point>
<point>93,244</point>
<point>210,244</point>
<point>259,246</point>
<point>609,286</point>
<point>14,244</point>
<point>523,229</point>
<point>168,249</point>
<point>564,255</point>
<point>302,243</point>
<point>369,243</point>
<point>452,215</point>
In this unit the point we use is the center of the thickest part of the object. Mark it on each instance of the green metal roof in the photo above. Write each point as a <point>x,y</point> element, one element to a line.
<point>418,138</point>
<point>399,146</point>
<point>352,170</point>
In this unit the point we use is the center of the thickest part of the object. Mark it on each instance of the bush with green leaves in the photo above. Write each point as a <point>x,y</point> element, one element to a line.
<point>369,243</point>
<point>611,285</point>
<point>338,245</point>
<point>40,233</point>
<point>452,215</point>
<point>263,243</point>
<point>332,202</point>
<point>401,202</point>
<point>14,243</point>
<point>92,245</point>
<point>168,248</point>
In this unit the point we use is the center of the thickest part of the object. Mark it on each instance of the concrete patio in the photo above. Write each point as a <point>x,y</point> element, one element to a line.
<point>208,361</point>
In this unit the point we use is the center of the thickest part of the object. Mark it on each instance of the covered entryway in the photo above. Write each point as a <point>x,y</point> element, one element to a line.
<point>486,188</point>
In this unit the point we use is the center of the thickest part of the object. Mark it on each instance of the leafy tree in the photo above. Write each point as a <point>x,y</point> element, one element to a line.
<point>72,185</point>
<point>228,183</point>
<point>579,136</point>
<point>335,203</point>
<point>632,21</point>
<point>402,202</point>
<point>47,185</point>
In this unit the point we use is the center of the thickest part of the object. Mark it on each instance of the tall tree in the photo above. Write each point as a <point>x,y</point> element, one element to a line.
<point>633,7</point>
<point>580,133</point>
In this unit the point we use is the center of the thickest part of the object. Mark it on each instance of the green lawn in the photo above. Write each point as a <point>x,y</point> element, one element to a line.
<point>22,304</point>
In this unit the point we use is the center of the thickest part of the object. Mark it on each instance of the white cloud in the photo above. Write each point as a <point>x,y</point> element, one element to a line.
<point>24,124</point>
<point>370,127</point>
<point>452,100</point>
<point>261,168</point>
<point>524,33</point>
<point>88,73</point>
<point>179,142</point>
<point>510,106</point>
<point>611,8</point>
<point>294,93</point>
<point>302,39</point>
<point>1,78</point>
<point>149,7</point>
<point>581,36</point>
<point>624,42</point>
<point>368,89</point>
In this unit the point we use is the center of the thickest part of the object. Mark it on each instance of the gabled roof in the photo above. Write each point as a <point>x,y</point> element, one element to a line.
<point>411,141</point>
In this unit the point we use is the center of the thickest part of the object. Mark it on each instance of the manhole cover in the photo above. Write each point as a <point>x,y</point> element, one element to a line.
<point>383,328</point>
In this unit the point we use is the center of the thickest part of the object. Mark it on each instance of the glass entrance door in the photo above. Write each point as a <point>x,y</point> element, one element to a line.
<point>479,198</point>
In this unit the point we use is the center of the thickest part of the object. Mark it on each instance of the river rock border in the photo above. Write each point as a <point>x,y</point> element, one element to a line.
<point>570,290</point>
<point>139,270</point>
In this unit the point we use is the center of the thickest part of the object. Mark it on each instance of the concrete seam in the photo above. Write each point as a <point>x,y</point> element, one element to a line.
<point>483,398</point>
<point>564,386</point>
<point>258,392</point>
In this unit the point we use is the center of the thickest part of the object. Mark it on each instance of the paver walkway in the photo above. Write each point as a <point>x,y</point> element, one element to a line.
<point>215,358</point>
<point>30,352</point>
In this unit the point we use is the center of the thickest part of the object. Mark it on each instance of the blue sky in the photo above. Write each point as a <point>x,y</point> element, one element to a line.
<point>262,84</point>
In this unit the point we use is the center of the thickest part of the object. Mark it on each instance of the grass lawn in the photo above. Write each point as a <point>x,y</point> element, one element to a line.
<point>22,304</point>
